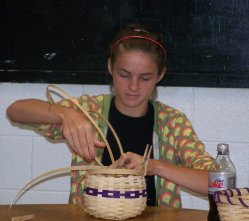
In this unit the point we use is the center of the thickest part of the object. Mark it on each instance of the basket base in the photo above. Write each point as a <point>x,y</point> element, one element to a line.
<point>114,209</point>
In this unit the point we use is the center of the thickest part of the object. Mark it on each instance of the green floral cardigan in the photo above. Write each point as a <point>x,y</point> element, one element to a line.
<point>174,142</point>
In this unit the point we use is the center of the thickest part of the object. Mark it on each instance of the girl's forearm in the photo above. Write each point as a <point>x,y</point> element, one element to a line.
<point>34,111</point>
<point>192,179</point>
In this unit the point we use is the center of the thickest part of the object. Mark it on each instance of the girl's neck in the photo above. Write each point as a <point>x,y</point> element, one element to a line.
<point>139,111</point>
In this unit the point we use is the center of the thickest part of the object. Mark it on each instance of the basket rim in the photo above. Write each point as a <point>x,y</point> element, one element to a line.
<point>234,196</point>
<point>116,171</point>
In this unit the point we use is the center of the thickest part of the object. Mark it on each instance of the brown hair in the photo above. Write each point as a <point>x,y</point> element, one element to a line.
<point>136,37</point>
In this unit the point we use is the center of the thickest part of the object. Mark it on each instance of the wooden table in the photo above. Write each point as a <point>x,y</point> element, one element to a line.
<point>67,212</point>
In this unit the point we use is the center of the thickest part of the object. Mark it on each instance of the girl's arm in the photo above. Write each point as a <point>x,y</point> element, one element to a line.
<point>192,179</point>
<point>76,129</point>
<point>34,111</point>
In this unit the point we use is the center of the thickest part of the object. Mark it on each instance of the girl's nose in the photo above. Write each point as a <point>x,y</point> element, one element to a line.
<point>133,84</point>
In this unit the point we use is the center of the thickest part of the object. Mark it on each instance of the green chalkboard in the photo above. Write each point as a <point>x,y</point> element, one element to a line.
<point>65,41</point>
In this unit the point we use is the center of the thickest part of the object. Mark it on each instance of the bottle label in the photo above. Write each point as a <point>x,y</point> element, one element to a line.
<point>220,181</point>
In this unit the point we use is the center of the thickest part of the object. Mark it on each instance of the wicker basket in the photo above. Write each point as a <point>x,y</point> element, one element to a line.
<point>233,204</point>
<point>115,194</point>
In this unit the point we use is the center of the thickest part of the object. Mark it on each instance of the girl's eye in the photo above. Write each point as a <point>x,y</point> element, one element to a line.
<point>124,75</point>
<point>145,78</point>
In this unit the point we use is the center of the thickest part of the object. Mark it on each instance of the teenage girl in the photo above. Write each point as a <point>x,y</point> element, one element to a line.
<point>136,64</point>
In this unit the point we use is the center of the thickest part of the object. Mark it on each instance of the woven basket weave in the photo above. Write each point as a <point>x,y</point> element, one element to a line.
<point>115,194</point>
<point>233,204</point>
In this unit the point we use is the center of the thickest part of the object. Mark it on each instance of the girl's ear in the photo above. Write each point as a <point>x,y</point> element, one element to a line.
<point>160,77</point>
<point>109,66</point>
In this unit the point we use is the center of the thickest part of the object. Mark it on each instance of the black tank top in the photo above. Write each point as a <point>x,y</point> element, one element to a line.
<point>134,134</point>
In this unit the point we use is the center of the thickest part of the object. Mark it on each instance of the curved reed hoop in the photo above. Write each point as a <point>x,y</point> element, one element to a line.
<point>46,175</point>
<point>112,130</point>
<point>53,88</point>
<point>93,168</point>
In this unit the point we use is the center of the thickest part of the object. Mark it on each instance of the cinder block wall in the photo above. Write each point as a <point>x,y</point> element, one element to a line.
<point>217,114</point>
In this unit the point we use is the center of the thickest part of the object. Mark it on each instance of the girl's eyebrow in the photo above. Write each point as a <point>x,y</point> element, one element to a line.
<point>128,72</point>
<point>124,70</point>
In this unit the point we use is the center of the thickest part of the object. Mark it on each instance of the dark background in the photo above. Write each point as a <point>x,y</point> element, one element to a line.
<point>66,41</point>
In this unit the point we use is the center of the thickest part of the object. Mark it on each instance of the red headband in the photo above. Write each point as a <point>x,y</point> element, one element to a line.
<point>142,37</point>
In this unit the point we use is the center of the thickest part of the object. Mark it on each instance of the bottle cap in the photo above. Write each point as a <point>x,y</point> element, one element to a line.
<point>223,148</point>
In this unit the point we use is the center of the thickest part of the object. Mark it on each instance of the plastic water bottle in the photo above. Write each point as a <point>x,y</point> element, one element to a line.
<point>221,176</point>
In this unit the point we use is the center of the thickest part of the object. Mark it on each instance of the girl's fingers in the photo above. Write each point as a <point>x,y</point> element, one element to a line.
<point>123,160</point>
<point>90,145</point>
<point>130,160</point>
<point>98,143</point>
<point>69,140</point>
<point>78,146</point>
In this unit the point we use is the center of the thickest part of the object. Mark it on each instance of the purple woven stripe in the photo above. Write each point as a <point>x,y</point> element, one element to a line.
<point>130,194</point>
<point>242,202</point>
<point>238,191</point>
<point>144,193</point>
<point>230,192</point>
<point>115,194</point>
<point>224,192</point>
<point>216,196</point>
<point>230,202</point>
<point>109,194</point>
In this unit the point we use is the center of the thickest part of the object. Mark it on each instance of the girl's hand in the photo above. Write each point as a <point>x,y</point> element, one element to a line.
<point>79,134</point>
<point>131,160</point>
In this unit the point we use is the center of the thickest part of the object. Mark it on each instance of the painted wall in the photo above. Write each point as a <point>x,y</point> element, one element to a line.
<point>217,114</point>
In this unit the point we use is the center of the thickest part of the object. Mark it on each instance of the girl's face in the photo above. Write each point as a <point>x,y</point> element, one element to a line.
<point>135,75</point>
